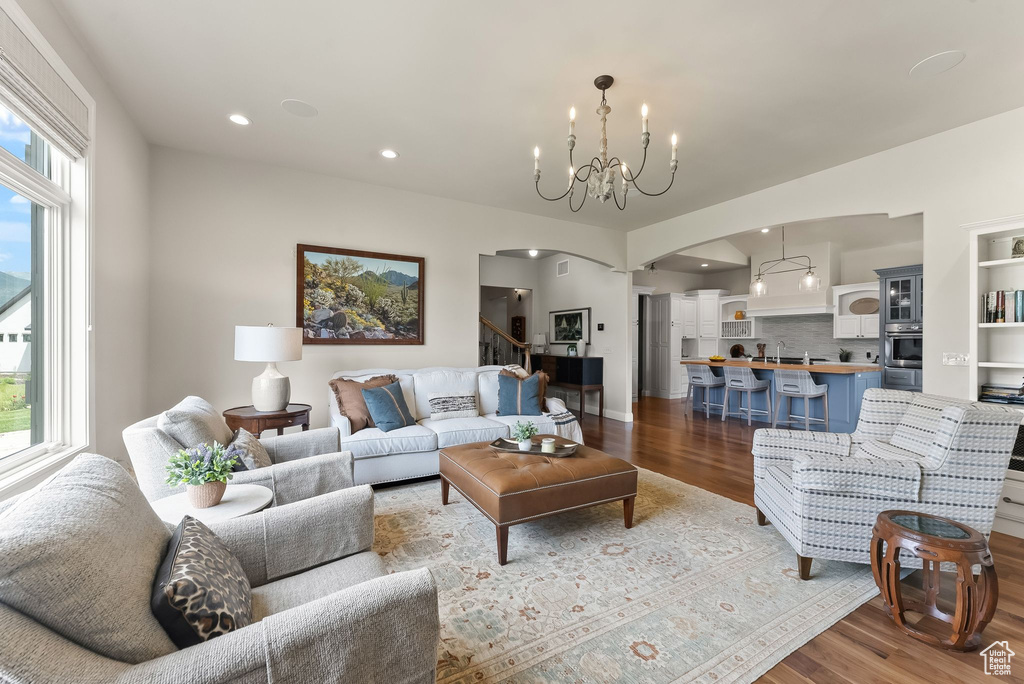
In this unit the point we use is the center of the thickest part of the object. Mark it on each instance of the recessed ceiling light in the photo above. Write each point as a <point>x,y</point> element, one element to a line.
<point>704,265</point>
<point>299,108</point>
<point>389,154</point>
<point>239,119</point>
<point>533,252</point>
<point>765,230</point>
<point>936,64</point>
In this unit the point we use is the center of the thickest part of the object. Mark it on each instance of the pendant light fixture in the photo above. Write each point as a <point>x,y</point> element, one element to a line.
<point>809,281</point>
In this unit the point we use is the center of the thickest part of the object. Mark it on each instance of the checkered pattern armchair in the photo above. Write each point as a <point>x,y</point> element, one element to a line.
<point>911,451</point>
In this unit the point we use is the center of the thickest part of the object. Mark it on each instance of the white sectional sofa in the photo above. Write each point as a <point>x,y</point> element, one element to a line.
<point>412,451</point>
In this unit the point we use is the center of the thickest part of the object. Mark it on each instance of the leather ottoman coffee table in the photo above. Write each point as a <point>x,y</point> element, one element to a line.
<point>516,487</point>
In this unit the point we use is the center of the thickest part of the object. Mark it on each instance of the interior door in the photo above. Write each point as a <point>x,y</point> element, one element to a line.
<point>634,330</point>
<point>660,342</point>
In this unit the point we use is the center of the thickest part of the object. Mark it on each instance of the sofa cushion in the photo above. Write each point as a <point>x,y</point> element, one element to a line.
<point>193,421</point>
<point>201,590</point>
<point>297,590</point>
<point>375,442</point>
<point>544,423</point>
<point>457,431</point>
<point>443,381</point>
<point>78,555</point>
<point>349,396</point>
<point>519,397</point>
<point>445,405</point>
<point>487,390</point>
<point>251,453</point>
<point>920,423</point>
<point>388,408</point>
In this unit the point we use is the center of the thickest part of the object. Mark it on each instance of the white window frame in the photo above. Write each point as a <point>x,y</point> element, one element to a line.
<point>69,394</point>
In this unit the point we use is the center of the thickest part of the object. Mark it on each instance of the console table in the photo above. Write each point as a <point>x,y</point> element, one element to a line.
<point>577,373</point>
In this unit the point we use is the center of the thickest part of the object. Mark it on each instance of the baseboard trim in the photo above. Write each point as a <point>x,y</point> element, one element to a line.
<point>1007,526</point>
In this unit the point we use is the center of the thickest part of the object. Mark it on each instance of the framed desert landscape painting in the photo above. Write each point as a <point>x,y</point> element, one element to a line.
<point>350,297</point>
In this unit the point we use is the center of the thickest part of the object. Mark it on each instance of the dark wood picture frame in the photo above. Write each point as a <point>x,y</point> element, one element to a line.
<point>309,327</point>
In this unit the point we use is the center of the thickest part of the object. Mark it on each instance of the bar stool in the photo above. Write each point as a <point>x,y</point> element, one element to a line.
<point>702,377</point>
<point>743,380</point>
<point>799,384</point>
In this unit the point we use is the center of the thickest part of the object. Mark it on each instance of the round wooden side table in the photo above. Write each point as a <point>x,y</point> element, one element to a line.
<point>935,541</point>
<point>239,500</point>
<point>256,422</point>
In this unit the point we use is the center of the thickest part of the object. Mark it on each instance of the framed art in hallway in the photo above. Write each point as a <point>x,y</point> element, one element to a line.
<point>346,296</point>
<point>569,325</point>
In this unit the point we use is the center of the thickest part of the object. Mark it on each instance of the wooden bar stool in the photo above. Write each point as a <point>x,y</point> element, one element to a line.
<point>743,380</point>
<point>702,377</point>
<point>799,384</point>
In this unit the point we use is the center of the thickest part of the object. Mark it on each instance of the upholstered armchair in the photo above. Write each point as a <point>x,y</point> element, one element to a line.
<point>304,464</point>
<point>920,452</point>
<point>80,557</point>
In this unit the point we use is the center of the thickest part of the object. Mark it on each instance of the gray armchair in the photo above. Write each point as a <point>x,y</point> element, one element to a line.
<point>324,608</point>
<point>305,464</point>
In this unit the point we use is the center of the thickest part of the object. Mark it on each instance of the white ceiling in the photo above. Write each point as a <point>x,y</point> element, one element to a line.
<point>847,233</point>
<point>760,92</point>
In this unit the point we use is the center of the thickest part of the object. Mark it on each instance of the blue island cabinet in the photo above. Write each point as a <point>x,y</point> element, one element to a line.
<point>845,391</point>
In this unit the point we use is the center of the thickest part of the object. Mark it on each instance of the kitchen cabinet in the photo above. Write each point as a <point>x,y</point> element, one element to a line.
<point>674,317</point>
<point>847,324</point>
<point>901,294</point>
<point>707,315</point>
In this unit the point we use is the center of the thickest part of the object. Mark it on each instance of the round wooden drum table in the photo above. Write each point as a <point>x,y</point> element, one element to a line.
<point>935,541</point>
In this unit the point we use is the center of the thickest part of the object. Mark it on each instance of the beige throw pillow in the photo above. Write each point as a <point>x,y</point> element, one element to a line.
<point>349,395</point>
<point>254,455</point>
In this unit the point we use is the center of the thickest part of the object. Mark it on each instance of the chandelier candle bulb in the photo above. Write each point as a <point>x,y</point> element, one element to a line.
<point>675,146</point>
<point>643,115</point>
<point>536,159</point>
<point>572,120</point>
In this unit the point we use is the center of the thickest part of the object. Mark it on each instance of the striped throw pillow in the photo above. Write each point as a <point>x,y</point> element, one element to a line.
<point>444,406</point>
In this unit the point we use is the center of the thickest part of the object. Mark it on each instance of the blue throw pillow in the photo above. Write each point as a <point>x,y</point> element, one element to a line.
<point>519,397</point>
<point>387,407</point>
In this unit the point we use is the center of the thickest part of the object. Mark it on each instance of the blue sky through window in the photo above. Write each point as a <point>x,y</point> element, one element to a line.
<point>15,232</point>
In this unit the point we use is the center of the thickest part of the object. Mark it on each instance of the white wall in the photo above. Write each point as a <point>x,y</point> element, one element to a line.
<point>607,294</point>
<point>736,281</point>
<point>966,174</point>
<point>859,266</point>
<point>120,249</point>
<point>223,254</point>
<point>665,282</point>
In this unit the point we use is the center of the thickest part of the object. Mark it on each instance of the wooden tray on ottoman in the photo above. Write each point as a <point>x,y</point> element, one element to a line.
<point>512,487</point>
<point>561,450</point>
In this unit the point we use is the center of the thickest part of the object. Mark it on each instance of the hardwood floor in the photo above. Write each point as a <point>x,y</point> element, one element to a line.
<point>863,647</point>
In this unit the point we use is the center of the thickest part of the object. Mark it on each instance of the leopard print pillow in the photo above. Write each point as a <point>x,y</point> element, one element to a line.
<point>201,591</point>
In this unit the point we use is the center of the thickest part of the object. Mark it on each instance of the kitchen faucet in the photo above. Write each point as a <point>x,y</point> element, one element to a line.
<point>778,351</point>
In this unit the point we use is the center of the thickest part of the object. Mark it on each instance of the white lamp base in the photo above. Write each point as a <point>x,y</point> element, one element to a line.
<point>271,391</point>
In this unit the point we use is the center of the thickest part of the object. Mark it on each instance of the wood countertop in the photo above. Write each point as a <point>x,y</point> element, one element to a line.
<point>834,368</point>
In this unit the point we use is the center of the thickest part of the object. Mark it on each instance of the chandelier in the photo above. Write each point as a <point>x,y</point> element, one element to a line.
<point>600,173</point>
<point>809,281</point>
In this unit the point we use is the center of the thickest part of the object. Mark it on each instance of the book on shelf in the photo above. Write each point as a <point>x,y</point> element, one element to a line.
<point>1003,306</point>
<point>1002,394</point>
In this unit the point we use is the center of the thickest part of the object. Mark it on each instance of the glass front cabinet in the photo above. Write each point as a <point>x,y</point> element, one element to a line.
<point>901,294</point>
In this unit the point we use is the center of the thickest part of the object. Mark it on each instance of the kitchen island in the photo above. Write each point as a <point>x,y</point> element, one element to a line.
<point>846,385</point>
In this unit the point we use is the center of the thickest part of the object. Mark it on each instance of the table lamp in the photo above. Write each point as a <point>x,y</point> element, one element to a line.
<point>540,342</point>
<point>271,390</point>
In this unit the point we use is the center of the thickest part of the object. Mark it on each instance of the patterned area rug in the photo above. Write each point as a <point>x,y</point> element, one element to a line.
<point>695,592</point>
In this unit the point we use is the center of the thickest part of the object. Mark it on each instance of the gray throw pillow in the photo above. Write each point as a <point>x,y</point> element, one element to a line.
<point>193,421</point>
<point>201,590</point>
<point>253,454</point>
<point>78,555</point>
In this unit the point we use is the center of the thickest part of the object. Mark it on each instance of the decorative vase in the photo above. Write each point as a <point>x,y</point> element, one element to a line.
<point>739,315</point>
<point>526,445</point>
<point>206,495</point>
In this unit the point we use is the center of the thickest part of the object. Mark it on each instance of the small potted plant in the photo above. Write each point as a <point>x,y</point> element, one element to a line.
<point>844,354</point>
<point>204,470</point>
<point>523,433</point>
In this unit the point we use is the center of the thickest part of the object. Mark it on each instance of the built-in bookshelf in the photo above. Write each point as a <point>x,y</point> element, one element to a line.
<point>997,349</point>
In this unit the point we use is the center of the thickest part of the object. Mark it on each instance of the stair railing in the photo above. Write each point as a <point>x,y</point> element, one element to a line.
<point>499,348</point>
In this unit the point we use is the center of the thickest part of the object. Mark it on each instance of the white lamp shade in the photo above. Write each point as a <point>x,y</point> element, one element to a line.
<point>540,340</point>
<point>267,344</point>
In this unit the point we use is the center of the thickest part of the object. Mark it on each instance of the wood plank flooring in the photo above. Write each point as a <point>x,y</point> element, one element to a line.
<point>863,647</point>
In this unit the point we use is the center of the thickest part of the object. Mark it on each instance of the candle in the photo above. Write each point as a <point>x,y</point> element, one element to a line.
<point>572,175</point>
<point>536,159</point>
<point>675,146</point>
<point>572,120</point>
<point>624,172</point>
<point>643,115</point>
<point>547,445</point>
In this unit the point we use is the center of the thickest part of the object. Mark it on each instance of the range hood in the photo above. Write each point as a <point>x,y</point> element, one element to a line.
<point>792,304</point>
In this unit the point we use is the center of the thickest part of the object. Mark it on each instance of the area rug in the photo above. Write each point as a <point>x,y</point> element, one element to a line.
<point>696,591</point>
